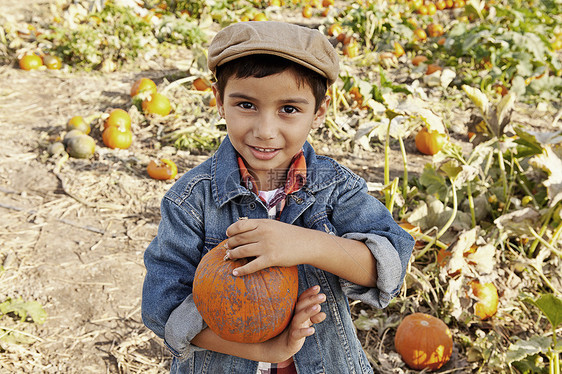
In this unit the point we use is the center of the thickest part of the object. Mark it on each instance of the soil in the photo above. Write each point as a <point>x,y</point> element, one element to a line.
<point>72,234</point>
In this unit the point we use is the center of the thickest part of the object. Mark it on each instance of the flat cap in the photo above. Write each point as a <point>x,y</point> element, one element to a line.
<point>303,45</point>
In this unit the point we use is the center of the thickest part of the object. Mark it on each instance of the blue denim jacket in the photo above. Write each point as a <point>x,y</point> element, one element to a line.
<point>196,212</point>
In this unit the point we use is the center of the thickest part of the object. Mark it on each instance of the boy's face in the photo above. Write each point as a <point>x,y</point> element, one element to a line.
<point>268,120</point>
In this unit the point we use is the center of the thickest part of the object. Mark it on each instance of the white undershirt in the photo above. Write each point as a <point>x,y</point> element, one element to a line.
<point>267,196</point>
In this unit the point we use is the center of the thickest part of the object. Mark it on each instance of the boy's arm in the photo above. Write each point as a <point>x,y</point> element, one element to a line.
<point>292,245</point>
<point>171,260</point>
<point>363,223</point>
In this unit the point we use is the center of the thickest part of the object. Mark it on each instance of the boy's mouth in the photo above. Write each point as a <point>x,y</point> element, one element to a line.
<point>265,149</point>
<point>264,153</point>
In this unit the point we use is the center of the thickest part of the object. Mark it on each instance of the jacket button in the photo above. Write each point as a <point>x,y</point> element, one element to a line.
<point>252,206</point>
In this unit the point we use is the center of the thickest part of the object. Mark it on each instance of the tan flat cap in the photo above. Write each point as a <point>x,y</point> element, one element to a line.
<point>299,44</point>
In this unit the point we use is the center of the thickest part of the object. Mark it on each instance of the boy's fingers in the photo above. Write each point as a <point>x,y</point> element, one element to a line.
<point>240,226</point>
<point>317,318</point>
<point>302,333</point>
<point>249,268</point>
<point>309,301</point>
<point>306,316</point>
<point>314,290</point>
<point>238,240</point>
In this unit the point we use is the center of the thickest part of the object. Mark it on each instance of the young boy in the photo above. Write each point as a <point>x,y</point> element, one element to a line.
<point>301,209</point>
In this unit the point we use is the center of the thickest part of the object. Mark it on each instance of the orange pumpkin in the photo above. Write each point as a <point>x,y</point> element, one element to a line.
<point>158,104</point>
<point>432,68</point>
<point>430,142</point>
<point>488,300</point>
<point>117,137</point>
<point>30,62</point>
<point>248,309</point>
<point>118,118</point>
<point>202,84</point>
<point>162,170</point>
<point>423,341</point>
<point>143,85</point>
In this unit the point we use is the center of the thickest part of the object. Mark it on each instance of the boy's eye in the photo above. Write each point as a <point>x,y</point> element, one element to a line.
<point>289,109</point>
<point>246,105</point>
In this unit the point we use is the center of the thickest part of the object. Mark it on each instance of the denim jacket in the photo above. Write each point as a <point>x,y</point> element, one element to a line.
<point>196,212</point>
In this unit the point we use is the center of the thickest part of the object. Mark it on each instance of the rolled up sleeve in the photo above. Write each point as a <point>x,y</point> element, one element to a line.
<point>389,272</point>
<point>171,260</point>
<point>184,324</point>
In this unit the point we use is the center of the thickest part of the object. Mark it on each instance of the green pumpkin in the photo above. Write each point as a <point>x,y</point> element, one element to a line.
<point>81,146</point>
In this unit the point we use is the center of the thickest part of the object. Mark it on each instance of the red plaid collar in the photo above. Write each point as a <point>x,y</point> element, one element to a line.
<point>296,178</point>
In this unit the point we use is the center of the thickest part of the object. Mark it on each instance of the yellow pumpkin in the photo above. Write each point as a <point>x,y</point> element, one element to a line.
<point>487,294</point>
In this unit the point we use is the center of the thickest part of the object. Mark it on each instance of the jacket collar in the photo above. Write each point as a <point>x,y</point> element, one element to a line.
<point>225,173</point>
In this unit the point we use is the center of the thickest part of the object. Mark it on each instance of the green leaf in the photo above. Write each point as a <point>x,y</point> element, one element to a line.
<point>24,308</point>
<point>529,145</point>
<point>451,169</point>
<point>475,7</point>
<point>433,182</point>
<point>551,306</point>
<point>529,365</point>
<point>523,348</point>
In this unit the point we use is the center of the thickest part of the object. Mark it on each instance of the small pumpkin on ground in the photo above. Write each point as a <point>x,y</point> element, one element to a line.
<point>71,134</point>
<point>423,341</point>
<point>56,148</point>
<point>117,137</point>
<point>488,299</point>
<point>30,62</point>
<point>162,170</point>
<point>158,104</point>
<point>78,123</point>
<point>430,142</point>
<point>143,86</point>
<point>52,62</point>
<point>248,309</point>
<point>118,118</point>
<point>81,146</point>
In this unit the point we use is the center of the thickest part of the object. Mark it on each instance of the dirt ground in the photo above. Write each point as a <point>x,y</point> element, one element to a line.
<point>72,234</point>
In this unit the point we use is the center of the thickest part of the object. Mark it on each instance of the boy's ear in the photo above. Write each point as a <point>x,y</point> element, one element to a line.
<point>218,99</point>
<point>320,114</point>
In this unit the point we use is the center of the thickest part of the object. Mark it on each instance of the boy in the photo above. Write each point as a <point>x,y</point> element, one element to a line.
<point>301,209</point>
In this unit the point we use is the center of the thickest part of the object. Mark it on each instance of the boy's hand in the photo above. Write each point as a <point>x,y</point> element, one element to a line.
<point>271,242</point>
<point>290,341</point>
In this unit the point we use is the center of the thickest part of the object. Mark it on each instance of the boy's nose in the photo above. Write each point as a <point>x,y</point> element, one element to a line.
<point>265,128</point>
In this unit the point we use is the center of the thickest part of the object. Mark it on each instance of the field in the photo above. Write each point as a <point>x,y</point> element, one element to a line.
<point>483,201</point>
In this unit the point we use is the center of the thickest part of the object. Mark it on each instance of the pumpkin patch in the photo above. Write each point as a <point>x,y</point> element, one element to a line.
<point>500,182</point>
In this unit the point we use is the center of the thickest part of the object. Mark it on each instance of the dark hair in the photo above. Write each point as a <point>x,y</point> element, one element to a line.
<point>263,65</point>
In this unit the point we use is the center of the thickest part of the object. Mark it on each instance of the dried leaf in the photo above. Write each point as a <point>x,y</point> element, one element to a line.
<point>457,262</point>
<point>516,223</point>
<point>483,259</point>
<point>451,296</point>
<point>478,98</point>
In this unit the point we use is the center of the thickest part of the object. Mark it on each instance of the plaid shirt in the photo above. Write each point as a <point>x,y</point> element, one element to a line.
<point>296,178</point>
